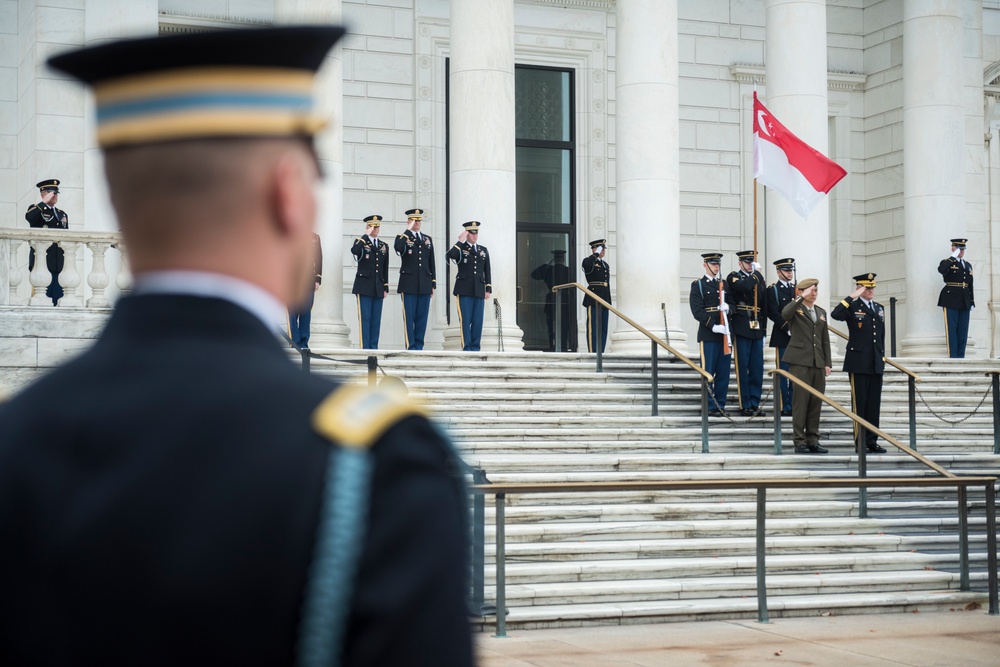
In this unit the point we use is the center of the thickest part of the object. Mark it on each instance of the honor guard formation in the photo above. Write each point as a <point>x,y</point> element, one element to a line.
<point>200,499</point>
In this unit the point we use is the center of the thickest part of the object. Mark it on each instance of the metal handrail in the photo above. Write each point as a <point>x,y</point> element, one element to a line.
<point>862,422</point>
<point>638,327</point>
<point>887,360</point>
<point>500,491</point>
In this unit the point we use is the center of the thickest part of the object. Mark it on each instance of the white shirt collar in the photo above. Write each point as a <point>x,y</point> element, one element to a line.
<point>261,303</point>
<point>708,277</point>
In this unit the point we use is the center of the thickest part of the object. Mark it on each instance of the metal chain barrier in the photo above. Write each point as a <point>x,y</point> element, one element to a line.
<point>499,316</point>
<point>949,421</point>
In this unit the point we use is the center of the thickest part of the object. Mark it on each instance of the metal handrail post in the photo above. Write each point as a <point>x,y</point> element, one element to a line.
<point>761,561</point>
<point>501,568</point>
<point>372,367</point>
<point>479,605</point>
<point>892,325</point>
<point>557,332</point>
<point>963,539</point>
<point>656,380</point>
<point>862,470</point>
<point>913,411</point>
<point>777,414</point>
<point>991,545</point>
<point>704,416</point>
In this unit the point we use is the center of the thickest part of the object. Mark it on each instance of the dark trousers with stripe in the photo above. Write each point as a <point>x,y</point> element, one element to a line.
<point>718,364</point>
<point>299,320</point>
<point>749,370</point>
<point>470,319</point>
<point>415,309</point>
<point>370,320</point>
<point>958,331</point>
<point>785,383</point>
<point>866,399</point>
<point>597,327</point>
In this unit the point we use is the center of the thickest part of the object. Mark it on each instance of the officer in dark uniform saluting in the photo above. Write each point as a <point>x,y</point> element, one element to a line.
<point>780,295</point>
<point>748,319</point>
<point>42,215</point>
<point>865,355</point>
<point>199,499</point>
<point>598,274</point>
<point>957,297</point>
<point>473,284</point>
<point>417,278</point>
<point>371,280</point>
<point>709,307</point>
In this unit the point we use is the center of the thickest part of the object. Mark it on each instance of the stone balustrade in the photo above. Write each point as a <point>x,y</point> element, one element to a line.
<point>79,246</point>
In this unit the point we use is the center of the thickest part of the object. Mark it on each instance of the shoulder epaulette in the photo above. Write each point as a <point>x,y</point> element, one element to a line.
<point>31,207</point>
<point>357,417</point>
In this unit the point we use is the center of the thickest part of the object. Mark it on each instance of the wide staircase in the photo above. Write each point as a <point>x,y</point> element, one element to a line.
<point>601,558</point>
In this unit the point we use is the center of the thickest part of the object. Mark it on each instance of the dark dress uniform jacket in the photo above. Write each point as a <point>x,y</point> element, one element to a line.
<point>167,517</point>
<point>416,271</point>
<point>866,345</point>
<point>779,295</point>
<point>598,274</point>
<point>704,302</point>
<point>41,216</point>
<point>957,292</point>
<point>809,343</point>
<point>739,294</point>
<point>372,276</point>
<point>474,276</point>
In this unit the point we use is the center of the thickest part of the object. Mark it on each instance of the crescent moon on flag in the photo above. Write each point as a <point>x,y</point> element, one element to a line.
<point>760,122</point>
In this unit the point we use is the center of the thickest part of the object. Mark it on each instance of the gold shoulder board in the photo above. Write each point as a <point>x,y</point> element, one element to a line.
<point>357,417</point>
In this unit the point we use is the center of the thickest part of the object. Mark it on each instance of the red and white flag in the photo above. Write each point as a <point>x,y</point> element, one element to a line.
<point>785,163</point>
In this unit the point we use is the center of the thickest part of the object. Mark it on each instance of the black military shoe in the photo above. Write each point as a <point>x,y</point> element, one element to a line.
<point>716,413</point>
<point>802,449</point>
<point>759,413</point>
<point>816,449</point>
<point>786,413</point>
<point>747,412</point>
<point>876,449</point>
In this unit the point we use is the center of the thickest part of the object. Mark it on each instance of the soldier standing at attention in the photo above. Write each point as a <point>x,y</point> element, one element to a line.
<point>778,296</point>
<point>748,319</point>
<point>957,298</point>
<point>43,215</point>
<point>200,500</point>
<point>708,308</point>
<point>865,355</point>
<point>598,274</point>
<point>371,280</point>
<point>473,284</point>
<point>417,279</point>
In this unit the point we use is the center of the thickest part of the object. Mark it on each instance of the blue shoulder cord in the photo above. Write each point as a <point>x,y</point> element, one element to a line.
<point>339,539</point>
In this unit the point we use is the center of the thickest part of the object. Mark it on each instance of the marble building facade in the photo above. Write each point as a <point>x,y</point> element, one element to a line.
<point>555,122</point>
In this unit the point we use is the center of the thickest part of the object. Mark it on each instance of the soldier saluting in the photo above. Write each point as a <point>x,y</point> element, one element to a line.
<point>748,320</point>
<point>371,281</point>
<point>44,215</point>
<point>956,297</point>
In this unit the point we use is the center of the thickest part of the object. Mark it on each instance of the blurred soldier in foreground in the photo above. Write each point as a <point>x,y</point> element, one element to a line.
<point>201,500</point>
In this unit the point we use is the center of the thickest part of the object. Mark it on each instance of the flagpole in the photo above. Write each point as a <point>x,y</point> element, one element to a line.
<point>755,304</point>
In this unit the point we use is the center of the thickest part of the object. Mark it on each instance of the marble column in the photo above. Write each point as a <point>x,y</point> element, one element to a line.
<point>328,329</point>
<point>796,94</point>
<point>482,153</point>
<point>647,173</point>
<point>107,21</point>
<point>933,162</point>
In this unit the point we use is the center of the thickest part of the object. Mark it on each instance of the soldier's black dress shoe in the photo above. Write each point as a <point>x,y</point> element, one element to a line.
<point>816,449</point>
<point>802,449</point>
<point>747,412</point>
<point>876,449</point>
<point>757,412</point>
<point>716,413</point>
<point>786,413</point>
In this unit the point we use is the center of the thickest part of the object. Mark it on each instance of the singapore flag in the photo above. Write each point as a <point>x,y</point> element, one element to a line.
<point>787,164</point>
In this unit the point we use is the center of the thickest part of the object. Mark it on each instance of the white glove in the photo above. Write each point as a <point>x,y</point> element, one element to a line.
<point>724,307</point>
<point>955,254</point>
<point>720,329</point>
<point>598,249</point>
<point>756,266</point>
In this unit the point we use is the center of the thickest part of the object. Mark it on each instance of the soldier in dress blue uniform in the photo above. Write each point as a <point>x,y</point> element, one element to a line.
<point>780,295</point>
<point>473,283</point>
<point>957,297</point>
<point>746,295</point>
<point>371,280</point>
<point>199,499</point>
<point>42,215</point>
<point>709,308</point>
<point>865,355</point>
<point>598,273</point>
<point>417,278</point>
